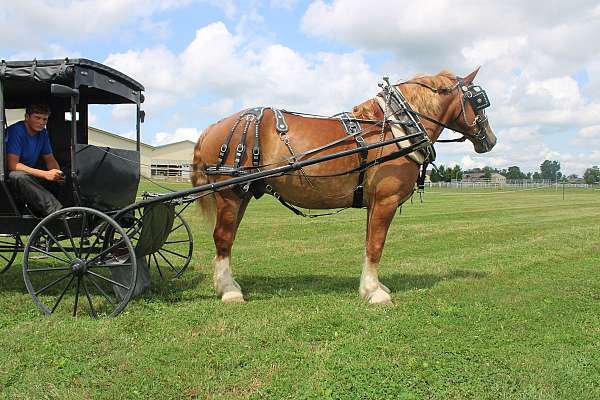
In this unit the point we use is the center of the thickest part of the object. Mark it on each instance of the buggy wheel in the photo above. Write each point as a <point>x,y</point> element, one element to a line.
<point>9,247</point>
<point>173,258</point>
<point>90,264</point>
<point>174,255</point>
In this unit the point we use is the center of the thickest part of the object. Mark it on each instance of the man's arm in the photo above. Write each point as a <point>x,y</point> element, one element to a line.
<point>53,168</point>
<point>54,174</point>
<point>50,161</point>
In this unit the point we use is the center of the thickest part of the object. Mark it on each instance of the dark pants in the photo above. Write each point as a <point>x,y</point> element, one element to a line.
<point>35,192</point>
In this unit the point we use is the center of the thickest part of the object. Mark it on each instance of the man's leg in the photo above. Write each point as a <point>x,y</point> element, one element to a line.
<point>36,196</point>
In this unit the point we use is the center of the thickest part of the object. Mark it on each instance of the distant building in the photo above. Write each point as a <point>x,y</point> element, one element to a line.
<point>169,160</point>
<point>480,177</point>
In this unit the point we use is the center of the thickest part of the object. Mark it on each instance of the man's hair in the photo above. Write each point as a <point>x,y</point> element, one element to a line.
<point>39,108</point>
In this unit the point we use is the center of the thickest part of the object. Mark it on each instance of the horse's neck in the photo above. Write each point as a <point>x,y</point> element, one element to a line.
<point>445,116</point>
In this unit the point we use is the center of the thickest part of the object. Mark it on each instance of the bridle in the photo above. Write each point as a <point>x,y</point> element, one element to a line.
<point>475,96</point>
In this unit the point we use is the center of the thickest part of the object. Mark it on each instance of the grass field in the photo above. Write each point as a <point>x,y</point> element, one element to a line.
<point>497,296</point>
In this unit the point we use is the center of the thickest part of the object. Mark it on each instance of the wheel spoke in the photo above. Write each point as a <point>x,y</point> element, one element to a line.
<point>177,227</point>
<point>172,252</point>
<point>57,242</point>
<point>106,296</point>
<point>158,266</point>
<point>168,262</point>
<point>48,269</point>
<point>135,229</point>
<point>4,258</point>
<point>89,299</point>
<point>83,227</point>
<point>42,290</point>
<point>87,254</point>
<point>108,250</point>
<point>110,265</point>
<point>76,296</point>
<point>62,294</point>
<point>177,241</point>
<point>108,280</point>
<point>68,229</point>
<point>49,254</point>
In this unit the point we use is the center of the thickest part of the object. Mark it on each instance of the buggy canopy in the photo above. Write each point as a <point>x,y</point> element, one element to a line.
<point>98,83</point>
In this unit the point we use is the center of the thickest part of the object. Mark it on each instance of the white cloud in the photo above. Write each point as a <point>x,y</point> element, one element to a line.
<point>28,24</point>
<point>276,75</point>
<point>178,135</point>
<point>590,132</point>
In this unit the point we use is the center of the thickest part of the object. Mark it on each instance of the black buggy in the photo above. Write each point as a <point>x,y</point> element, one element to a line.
<point>86,255</point>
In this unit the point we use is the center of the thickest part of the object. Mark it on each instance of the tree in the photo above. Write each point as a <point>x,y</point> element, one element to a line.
<point>536,176</point>
<point>487,172</point>
<point>457,173</point>
<point>437,174</point>
<point>514,172</point>
<point>550,170</point>
<point>592,175</point>
<point>446,174</point>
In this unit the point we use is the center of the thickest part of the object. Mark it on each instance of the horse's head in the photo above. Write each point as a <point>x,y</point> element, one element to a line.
<point>471,120</point>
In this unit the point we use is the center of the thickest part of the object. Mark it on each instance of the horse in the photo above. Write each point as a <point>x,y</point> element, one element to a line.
<point>442,101</point>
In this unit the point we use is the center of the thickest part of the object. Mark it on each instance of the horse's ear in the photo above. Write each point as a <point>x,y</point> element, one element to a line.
<point>469,78</point>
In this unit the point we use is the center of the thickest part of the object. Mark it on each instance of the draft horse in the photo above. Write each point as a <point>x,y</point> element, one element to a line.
<point>441,101</point>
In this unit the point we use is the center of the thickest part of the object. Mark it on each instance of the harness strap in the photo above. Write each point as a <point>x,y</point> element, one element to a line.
<point>410,123</point>
<point>241,147</point>
<point>353,129</point>
<point>225,146</point>
<point>269,189</point>
<point>280,124</point>
<point>256,148</point>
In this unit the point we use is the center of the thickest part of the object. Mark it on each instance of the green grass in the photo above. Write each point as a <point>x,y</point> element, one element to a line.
<point>497,296</point>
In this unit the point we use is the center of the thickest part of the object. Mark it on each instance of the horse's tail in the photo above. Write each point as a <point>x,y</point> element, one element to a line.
<point>206,201</point>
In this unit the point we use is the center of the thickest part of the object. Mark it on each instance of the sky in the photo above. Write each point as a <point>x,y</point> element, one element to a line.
<point>202,60</point>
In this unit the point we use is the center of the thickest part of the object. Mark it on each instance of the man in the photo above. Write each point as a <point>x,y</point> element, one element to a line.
<point>26,141</point>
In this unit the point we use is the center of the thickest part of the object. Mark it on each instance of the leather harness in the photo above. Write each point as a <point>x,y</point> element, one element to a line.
<point>404,122</point>
<point>353,129</point>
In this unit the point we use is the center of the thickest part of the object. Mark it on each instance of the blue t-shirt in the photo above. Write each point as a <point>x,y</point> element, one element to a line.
<point>27,147</point>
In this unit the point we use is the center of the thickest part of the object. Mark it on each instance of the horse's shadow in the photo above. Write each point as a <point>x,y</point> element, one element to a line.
<point>265,287</point>
<point>260,287</point>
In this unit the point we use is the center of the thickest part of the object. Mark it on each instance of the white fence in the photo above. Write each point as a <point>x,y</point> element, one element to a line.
<point>525,184</point>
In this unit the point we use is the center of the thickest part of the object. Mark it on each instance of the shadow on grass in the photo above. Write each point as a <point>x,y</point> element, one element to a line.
<point>167,289</point>
<point>265,287</point>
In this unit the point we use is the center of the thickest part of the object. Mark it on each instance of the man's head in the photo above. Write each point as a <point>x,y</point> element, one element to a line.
<point>36,117</point>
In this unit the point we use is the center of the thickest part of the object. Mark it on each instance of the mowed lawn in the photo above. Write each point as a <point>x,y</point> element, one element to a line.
<point>496,296</point>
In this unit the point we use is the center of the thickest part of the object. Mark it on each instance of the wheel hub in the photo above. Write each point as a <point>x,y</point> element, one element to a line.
<point>78,266</point>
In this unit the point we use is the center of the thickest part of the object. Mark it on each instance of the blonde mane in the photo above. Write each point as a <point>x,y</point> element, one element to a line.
<point>420,98</point>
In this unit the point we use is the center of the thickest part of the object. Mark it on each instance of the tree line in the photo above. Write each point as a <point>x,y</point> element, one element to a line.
<point>549,170</point>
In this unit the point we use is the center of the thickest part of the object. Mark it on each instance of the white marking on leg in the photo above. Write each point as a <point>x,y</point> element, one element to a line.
<point>370,288</point>
<point>226,287</point>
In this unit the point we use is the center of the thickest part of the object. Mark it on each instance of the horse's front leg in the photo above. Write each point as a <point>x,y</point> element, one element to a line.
<point>379,217</point>
<point>230,211</point>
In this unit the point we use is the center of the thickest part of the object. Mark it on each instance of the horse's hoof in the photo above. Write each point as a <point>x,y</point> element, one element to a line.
<point>384,288</point>
<point>380,297</point>
<point>232,297</point>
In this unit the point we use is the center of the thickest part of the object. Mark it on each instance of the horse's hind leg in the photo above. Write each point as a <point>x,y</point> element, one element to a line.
<point>230,211</point>
<point>380,215</point>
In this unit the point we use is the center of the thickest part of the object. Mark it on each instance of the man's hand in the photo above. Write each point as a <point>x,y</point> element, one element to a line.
<point>55,175</point>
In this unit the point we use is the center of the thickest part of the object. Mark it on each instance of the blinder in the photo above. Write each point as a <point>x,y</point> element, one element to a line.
<point>476,96</point>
